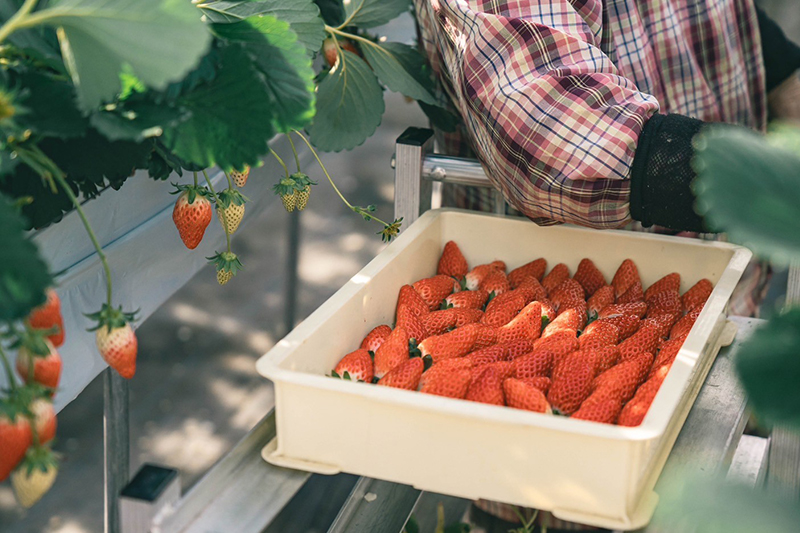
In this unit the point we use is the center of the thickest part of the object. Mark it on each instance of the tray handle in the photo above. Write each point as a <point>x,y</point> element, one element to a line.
<point>271,455</point>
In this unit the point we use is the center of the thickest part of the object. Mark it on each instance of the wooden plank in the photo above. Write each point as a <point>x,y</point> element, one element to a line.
<point>749,464</point>
<point>376,505</point>
<point>426,509</point>
<point>412,194</point>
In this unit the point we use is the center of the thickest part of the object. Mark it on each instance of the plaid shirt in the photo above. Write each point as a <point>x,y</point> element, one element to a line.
<point>555,93</point>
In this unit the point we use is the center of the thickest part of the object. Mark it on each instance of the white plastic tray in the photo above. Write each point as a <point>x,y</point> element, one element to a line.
<point>581,471</point>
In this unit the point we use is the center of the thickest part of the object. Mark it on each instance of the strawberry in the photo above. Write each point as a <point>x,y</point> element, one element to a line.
<point>48,316</point>
<point>696,296</point>
<point>456,343</point>
<point>605,357</point>
<point>548,311</point>
<point>434,290</point>
<point>632,295</point>
<point>670,282</point>
<point>536,364</point>
<point>45,360</point>
<point>412,324</point>
<point>410,298</point>
<point>15,437</point>
<point>683,326</point>
<point>526,325</point>
<point>375,338</point>
<point>535,269</point>
<point>227,264</point>
<point>540,382</point>
<point>439,322</point>
<point>452,263</point>
<point>575,360</point>
<point>441,370</point>
<point>355,366</point>
<point>35,476</point>
<point>623,378</point>
<point>625,277</point>
<point>665,302</point>
<point>533,290</point>
<point>666,355</point>
<point>516,348</point>
<point>495,283</point>
<point>635,308</point>
<point>475,277</point>
<point>330,52</point>
<point>406,375</point>
<point>572,386</point>
<point>505,369</point>
<point>392,353</point>
<point>44,419</point>
<point>627,324</point>
<point>556,277</point>
<point>192,214</point>
<point>230,209</point>
<point>663,323</point>
<point>644,340</point>
<point>240,178</point>
<point>503,308</point>
<point>490,354</point>
<point>589,276</point>
<point>570,320</point>
<point>601,408</point>
<point>451,383</point>
<point>302,196</point>
<point>560,343</point>
<point>486,336</point>
<point>116,340</point>
<point>521,395</point>
<point>635,410</point>
<point>569,291</point>
<point>602,298</point>
<point>487,388</point>
<point>604,334</point>
<point>285,188</point>
<point>467,299</point>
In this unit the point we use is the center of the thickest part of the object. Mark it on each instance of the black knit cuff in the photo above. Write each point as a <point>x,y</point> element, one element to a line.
<point>781,56</point>
<point>662,175</point>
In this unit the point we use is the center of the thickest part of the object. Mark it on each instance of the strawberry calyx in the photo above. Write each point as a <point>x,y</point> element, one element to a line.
<point>230,197</point>
<point>285,187</point>
<point>15,404</point>
<point>192,191</point>
<point>226,262</point>
<point>39,457</point>
<point>111,318</point>
<point>34,341</point>
<point>301,181</point>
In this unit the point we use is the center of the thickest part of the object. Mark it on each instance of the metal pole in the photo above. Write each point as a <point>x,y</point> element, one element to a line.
<point>116,456</point>
<point>290,297</point>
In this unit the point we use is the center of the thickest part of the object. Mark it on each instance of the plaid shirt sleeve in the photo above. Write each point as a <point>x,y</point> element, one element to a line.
<point>550,116</point>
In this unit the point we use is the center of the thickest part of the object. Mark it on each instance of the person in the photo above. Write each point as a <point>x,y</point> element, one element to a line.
<point>584,111</point>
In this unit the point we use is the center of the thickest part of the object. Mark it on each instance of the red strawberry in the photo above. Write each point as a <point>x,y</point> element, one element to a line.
<point>534,269</point>
<point>589,276</point>
<point>516,348</point>
<point>560,344</point>
<point>663,323</point>
<point>503,308</point>
<point>192,214</point>
<point>456,343</point>
<point>46,367</point>
<point>623,378</point>
<point>487,335</point>
<point>575,360</point>
<point>602,298</point>
<point>467,299</point>
<point>632,295</point>
<point>670,282</point>
<point>606,357</point>
<point>526,325</point>
<point>392,353</point>
<point>487,388</point>
<point>406,375</point>
<point>667,355</point>
<point>635,308</point>
<point>475,277</point>
<point>683,326</point>
<point>569,291</point>
<point>375,338</point>
<point>413,325</point>
<point>505,369</point>
<point>626,275</point>
<point>451,383</point>
<point>15,438</point>
<point>452,263</point>
<point>604,334</point>
<point>665,302</point>
<point>644,340</point>
<point>540,382</point>
<point>330,52</point>
<point>627,324</point>
<point>47,316</point>
<point>556,277</point>
<point>439,322</point>
<point>446,367</point>
<point>697,296</point>
<point>118,347</point>
<point>490,354</point>
<point>536,364</point>
<point>496,283</point>
<point>601,408</point>
<point>410,298</point>
<point>434,290</point>
<point>548,311</point>
<point>635,410</point>
<point>572,386</point>
<point>44,419</point>
<point>356,366</point>
<point>570,320</point>
<point>521,395</point>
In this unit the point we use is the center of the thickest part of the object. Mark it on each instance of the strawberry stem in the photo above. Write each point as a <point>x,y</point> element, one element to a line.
<point>294,151</point>
<point>230,183</point>
<point>195,178</point>
<point>14,23</point>
<point>221,211</point>
<point>7,367</point>
<point>285,168</point>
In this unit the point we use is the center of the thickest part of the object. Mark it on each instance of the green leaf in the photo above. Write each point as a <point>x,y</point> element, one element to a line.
<point>747,186</point>
<point>136,120</point>
<point>24,275</point>
<point>440,117</point>
<point>769,368</point>
<point>302,15</point>
<point>161,40</point>
<point>227,125</point>
<point>332,11</point>
<point>411,526</point>
<point>349,105</point>
<point>283,62</point>
<point>40,43</point>
<point>371,13</point>
<point>50,106</point>
<point>401,68</point>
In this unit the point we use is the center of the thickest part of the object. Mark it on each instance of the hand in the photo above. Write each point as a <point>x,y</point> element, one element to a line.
<point>784,100</point>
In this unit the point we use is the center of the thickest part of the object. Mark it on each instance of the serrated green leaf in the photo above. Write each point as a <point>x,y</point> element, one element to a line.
<point>227,126</point>
<point>50,105</point>
<point>747,187</point>
<point>303,16</point>
<point>769,368</point>
<point>401,68</point>
<point>349,105</point>
<point>136,121</point>
<point>24,275</point>
<point>371,13</point>
<point>283,62</point>
<point>161,40</point>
